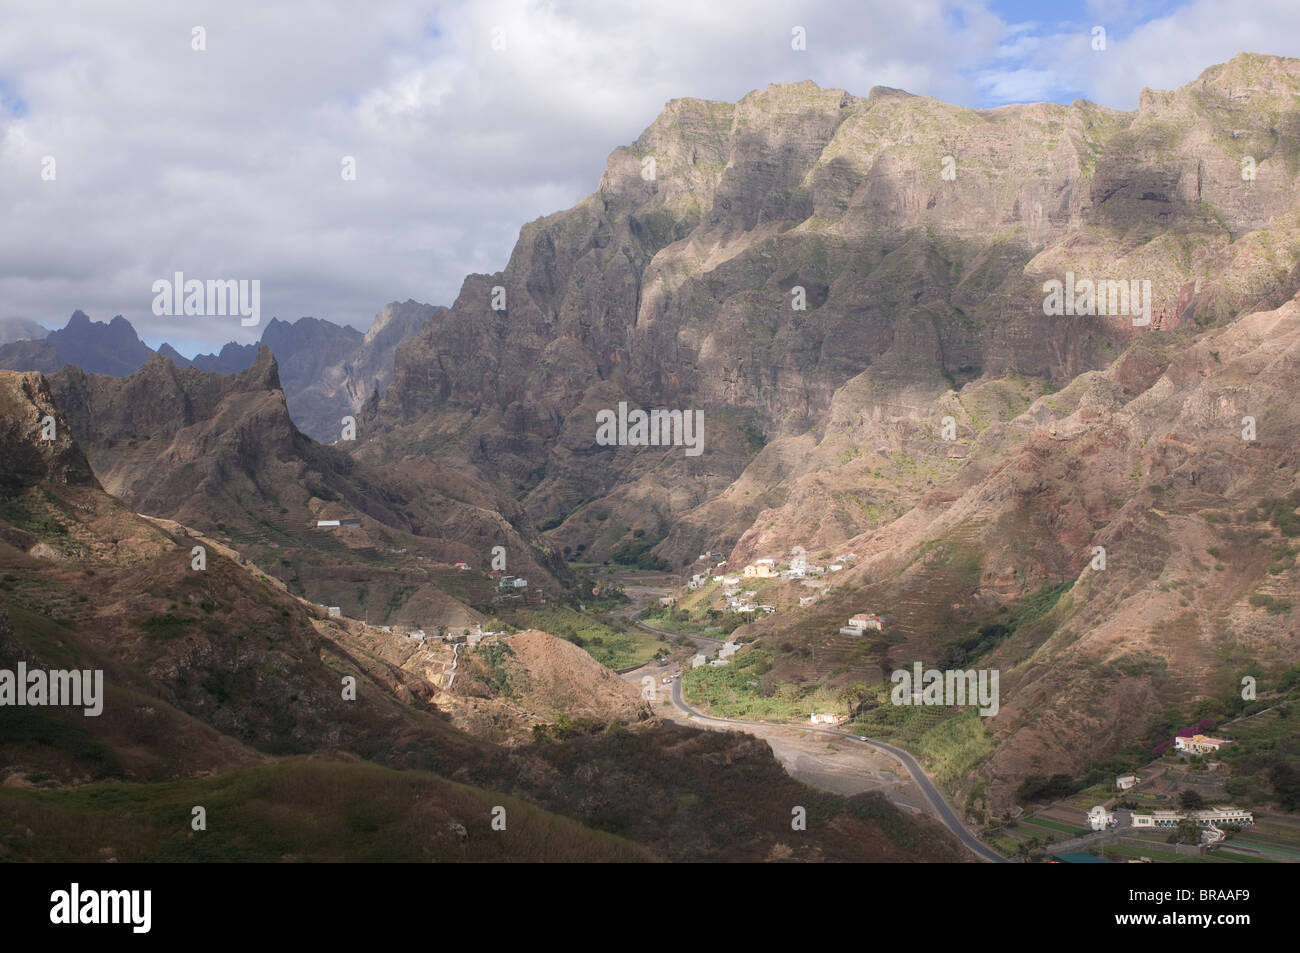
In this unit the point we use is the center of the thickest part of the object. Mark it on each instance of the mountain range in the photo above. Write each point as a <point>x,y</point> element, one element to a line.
<point>329,371</point>
<point>875,304</point>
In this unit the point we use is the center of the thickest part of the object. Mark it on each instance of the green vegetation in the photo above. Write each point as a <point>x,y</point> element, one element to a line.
<point>1282,513</point>
<point>636,552</point>
<point>1028,611</point>
<point>709,621</point>
<point>498,677</point>
<point>322,492</point>
<point>951,748</point>
<point>753,438</point>
<point>305,810</point>
<point>608,646</point>
<point>166,626</point>
<point>744,690</point>
<point>1264,758</point>
<point>1272,604</point>
<point>49,728</point>
<point>36,512</point>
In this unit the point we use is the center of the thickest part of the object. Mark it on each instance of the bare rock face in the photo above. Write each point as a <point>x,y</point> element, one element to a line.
<point>916,237</point>
<point>221,453</point>
<point>36,442</point>
<point>330,372</point>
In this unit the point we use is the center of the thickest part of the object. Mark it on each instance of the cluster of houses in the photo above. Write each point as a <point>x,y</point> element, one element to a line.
<point>765,568</point>
<point>1102,819</point>
<point>1209,817</point>
<point>798,568</point>
<point>736,601</point>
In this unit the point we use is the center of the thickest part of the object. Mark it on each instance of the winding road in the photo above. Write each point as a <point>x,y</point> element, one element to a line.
<point>947,816</point>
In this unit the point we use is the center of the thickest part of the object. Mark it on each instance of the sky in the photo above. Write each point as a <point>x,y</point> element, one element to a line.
<point>146,138</point>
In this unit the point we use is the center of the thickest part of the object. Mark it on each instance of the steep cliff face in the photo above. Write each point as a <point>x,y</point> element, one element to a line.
<point>221,454</point>
<point>917,235</point>
<point>333,378</point>
<point>36,443</point>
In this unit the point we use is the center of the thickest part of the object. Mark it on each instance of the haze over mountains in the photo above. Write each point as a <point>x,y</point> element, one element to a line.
<point>328,371</point>
<point>851,290</point>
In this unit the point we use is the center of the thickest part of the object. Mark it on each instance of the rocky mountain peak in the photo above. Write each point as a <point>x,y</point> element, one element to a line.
<point>36,442</point>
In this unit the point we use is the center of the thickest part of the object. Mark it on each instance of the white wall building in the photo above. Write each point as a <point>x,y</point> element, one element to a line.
<point>1101,819</point>
<point>1199,744</point>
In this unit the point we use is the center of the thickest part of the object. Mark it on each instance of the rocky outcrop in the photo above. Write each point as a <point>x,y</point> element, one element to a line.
<point>917,235</point>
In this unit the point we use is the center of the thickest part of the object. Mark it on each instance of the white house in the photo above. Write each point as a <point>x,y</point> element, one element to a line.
<point>1101,819</point>
<point>335,612</point>
<point>697,660</point>
<point>520,583</point>
<point>719,662</point>
<point>825,718</point>
<point>799,562</point>
<point>728,649</point>
<point>807,600</point>
<point>867,620</point>
<point>1199,744</point>
<point>1126,781</point>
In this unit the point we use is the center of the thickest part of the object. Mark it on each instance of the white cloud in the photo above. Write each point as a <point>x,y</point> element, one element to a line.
<point>226,162</point>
